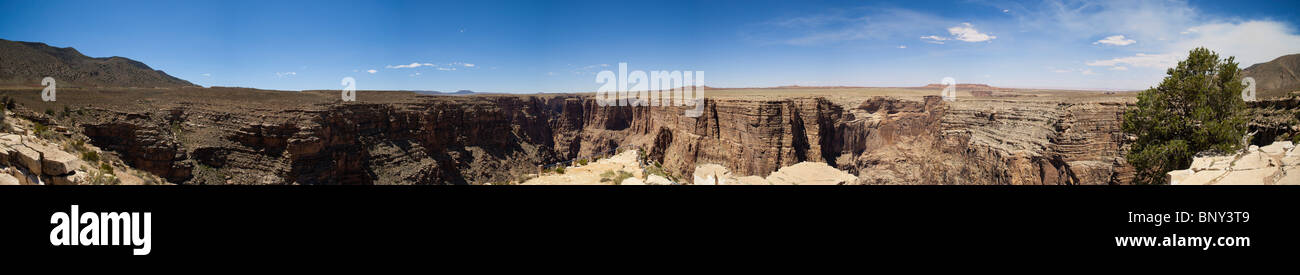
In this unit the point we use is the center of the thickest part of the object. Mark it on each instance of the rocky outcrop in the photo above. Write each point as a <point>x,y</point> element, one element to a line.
<point>30,161</point>
<point>803,173</point>
<point>1277,163</point>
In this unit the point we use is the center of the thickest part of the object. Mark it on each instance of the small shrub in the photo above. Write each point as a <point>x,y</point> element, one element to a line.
<point>106,168</point>
<point>90,156</point>
<point>582,162</point>
<point>101,178</point>
<point>78,145</point>
<point>559,170</point>
<point>49,112</point>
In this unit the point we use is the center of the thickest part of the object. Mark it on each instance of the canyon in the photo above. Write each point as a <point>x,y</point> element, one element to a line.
<point>146,120</point>
<point>193,135</point>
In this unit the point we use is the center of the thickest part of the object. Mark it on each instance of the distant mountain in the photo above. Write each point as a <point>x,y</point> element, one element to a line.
<point>26,63</point>
<point>1276,78</point>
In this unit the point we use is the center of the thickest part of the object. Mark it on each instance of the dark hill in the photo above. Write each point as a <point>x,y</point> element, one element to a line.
<point>1276,78</point>
<point>26,63</point>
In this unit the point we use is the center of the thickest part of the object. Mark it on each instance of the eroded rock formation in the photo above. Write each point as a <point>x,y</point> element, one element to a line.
<point>411,139</point>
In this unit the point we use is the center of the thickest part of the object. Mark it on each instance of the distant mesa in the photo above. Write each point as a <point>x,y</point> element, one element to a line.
<point>26,63</point>
<point>1277,78</point>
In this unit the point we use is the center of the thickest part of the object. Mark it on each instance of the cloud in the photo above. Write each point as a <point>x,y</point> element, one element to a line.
<point>1080,71</point>
<point>412,65</point>
<point>446,69</point>
<point>1139,60</point>
<point>1119,68</point>
<point>285,74</point>
<point>902,46</point>
<point>934,37</point>
<point>372,71</point>
<point>1250,42</point>
<point>470,65</point>
<point>963,32</point>
<point>967,32</point>
<point>854,24</point>
<point>206,75</point>
<point>1116,40</point>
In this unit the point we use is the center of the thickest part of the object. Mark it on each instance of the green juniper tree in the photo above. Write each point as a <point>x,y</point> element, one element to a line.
<point>1198,107</point>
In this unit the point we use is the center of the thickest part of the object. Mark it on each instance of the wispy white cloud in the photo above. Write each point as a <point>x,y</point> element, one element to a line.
<point>902,46</point>
<point>285,74</point>
<point>967,32</point>
<point>1115,40</point>
<point>372,71</point>
<point>411,66</point>
<point>961,32</point>
<point>206,75</point>
<point>1139,60</point>
<point>844,25</point>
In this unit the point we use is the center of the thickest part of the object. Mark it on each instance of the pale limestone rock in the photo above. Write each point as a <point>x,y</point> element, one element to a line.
<point>752,180</point>
<point>657,180</point>
<point>1211,163</point>
<point>1292,177</point>
<point>1203,177</point>
<point>811,173</point>
<point>6,179</point>
<point>28,158</point>
<point>57,162</point>
<point>1176,177</point>
<point>632,181</point>
<point>711,174</point>
<point>1277,148</point>
<point>1249,177</point>
<point>1251,160</point>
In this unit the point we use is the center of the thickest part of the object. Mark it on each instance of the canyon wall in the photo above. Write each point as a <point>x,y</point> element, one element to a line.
<point>486,139</point>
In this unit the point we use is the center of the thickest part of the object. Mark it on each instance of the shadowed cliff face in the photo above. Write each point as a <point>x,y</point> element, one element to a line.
<point>484,139</point>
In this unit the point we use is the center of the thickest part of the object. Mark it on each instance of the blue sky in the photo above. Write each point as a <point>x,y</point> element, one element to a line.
<point>558,46</point>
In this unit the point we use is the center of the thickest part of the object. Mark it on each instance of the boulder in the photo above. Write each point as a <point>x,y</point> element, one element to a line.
<point>657,180</point>
<point>1177,177</point>
<point>28,158</point>
<point>6,179</point>
<point>58,163</point>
